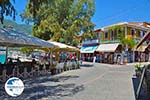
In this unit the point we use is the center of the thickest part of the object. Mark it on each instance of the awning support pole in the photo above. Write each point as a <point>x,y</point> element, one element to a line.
<point>6,53</point>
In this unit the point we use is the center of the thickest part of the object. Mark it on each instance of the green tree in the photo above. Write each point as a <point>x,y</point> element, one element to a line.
<point>127,43</point>
<point>131,44</point>
<point>61,20</point>
<point>7,8</point>
<point>27,50</point>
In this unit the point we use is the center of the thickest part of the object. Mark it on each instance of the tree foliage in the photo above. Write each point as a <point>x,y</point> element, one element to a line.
<point>61,20</point>
<point>6,8</point>
<point>130,43</point>
<point>19,27</point>
<point>27,50</point>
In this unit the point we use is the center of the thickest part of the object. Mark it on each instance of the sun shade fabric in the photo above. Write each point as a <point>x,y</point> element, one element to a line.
<point>88,49</point>
<point>107,47</point>
<point>13,38</point>
<point>61,45</point>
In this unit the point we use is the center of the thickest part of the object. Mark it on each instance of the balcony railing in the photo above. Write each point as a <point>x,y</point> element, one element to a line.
<point>109,41</point>
<point>90,41</point>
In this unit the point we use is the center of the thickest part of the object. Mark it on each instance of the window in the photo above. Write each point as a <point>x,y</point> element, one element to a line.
<point>112,35</point>
<point>100,35</point>
<point>115,34</point>
<point>119,31</point>
<point>144,33</point>
<point>138,33</point>
<point>132,32</point>
<point>106,34</point>
<point>141,33</point>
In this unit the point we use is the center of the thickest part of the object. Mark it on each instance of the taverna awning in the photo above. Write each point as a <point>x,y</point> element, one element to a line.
<point>88,49</point>
<point>63,46</point>
<point>107,47</point>
<point>13,38</point>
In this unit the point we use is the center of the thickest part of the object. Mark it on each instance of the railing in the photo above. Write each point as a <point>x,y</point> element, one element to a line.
<point>90,41</point>
<point>109,41</point>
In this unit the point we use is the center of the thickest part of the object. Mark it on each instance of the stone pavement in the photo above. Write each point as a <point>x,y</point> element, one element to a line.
<point>91,82</point>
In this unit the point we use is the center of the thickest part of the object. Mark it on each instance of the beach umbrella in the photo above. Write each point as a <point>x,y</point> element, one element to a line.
<point>13,38</point>
<point>59,45</point>
<point>62,47</point>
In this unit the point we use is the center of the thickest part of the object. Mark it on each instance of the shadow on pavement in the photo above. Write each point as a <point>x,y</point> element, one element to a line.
<point>50,79</point>
<point>34,92</point>
<point>39,88</point>
<point>87,65</point>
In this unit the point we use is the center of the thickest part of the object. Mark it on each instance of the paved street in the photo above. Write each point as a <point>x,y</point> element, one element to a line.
<point>98,82</point>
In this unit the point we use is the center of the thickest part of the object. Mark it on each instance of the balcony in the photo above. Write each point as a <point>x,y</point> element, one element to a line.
<point>109,41</point>
<point>96,41</point>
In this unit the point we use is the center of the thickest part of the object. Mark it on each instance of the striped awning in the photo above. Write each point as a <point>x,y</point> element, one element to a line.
<point>107,47</point>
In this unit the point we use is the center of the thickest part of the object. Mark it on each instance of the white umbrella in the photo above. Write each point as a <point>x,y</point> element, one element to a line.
<point>62,46</point>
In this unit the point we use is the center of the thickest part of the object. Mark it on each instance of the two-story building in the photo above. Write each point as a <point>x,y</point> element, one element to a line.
<point>89,47</point>
<point>113,47</point>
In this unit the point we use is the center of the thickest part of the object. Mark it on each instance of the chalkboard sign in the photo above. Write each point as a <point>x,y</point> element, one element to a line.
<point>141,82</point>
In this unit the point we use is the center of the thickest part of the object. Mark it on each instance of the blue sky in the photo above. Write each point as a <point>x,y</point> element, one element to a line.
<point>109,11</point>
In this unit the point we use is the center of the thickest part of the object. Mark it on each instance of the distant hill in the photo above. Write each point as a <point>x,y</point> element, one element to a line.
<point>19,27</point>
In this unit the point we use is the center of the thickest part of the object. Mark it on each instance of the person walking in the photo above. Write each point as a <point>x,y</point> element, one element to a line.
<point>94,59</point>
<point>121,59</point>
<point>115,59</point>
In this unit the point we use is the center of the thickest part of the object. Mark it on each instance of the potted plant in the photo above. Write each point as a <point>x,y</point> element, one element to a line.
<point>73,65</point>
<point>65,66</point>
<point>78,65</point>
<point>138,69</point>
<point>53,68</point>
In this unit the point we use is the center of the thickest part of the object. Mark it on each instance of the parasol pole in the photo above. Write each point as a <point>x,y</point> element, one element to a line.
<point>6,53</point>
